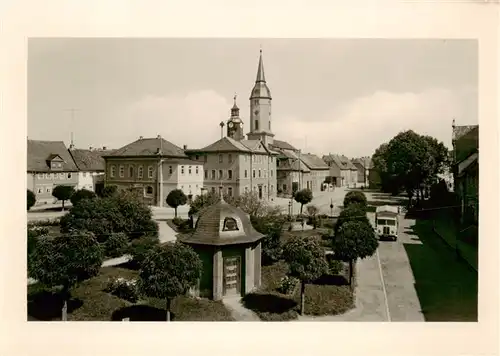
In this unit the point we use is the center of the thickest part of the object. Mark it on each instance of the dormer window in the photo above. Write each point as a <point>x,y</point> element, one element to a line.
<point>230,225</point>
<point>55,162</point>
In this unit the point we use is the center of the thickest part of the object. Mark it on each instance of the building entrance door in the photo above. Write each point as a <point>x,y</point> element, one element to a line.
<point>260,192</point>
<point>232,276</point>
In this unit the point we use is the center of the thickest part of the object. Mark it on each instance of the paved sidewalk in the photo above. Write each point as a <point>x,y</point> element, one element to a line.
<point>238,311</point>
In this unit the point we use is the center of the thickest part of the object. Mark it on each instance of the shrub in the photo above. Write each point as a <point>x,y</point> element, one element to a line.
<point>139,248</point>
<point>37,231</point>
<point>334,266</point>
<point>287,285</point>
<point>177,221</point>
<point>355,197</point>
<point>31,199</point>
<point>80,195</point>
<point>123,288</point>
<point>116,244</point>
<point>48,222</point>
<point>109,191</point>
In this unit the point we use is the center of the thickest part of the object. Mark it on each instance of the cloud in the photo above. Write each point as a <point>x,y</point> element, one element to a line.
<point>361,125</point>
<point>356,128</point>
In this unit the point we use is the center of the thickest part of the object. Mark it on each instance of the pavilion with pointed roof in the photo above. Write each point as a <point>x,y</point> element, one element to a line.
<point>230,249</point>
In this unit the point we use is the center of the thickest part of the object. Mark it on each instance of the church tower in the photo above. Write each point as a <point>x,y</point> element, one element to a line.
<point>234,124</point>
<point>260,108</point>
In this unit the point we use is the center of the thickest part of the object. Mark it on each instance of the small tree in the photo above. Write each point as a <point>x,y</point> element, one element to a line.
<point>65,260</point>
<point>312,211</point>
<point>353,212</point>
<point>355,197</point>
<point>202,201</point>
<point>63,193</point>
<point>175,199</point>
<point>80,195</point>
<point>169,271</point>
<point>116,244</point>
<point>271,225</point>
<point>354,239</point>
<point>307,262</point>
<point>303,197</point>
<point>31,199</point>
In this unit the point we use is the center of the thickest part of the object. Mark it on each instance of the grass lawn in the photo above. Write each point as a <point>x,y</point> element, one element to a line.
<point>91,303</point>
<point>328,296</point>
<point>446,286</point>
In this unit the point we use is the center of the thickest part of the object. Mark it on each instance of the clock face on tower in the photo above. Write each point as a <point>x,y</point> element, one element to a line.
<point>256,112</point>
<point>230,125</point>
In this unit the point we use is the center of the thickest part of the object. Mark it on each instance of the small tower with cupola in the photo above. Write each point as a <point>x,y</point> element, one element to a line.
<point>235,124</point>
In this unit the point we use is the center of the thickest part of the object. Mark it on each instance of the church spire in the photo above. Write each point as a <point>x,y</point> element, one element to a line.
<point>260,71</point>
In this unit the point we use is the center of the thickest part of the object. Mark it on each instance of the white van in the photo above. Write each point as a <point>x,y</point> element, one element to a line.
<point>386,222</point>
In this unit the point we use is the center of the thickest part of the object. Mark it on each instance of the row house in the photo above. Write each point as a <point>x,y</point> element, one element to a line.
<point>292,172</point>
<point>465,141</point>
<point>49,164</point>
<point>152,168</point>
<point>237,167</point>
<point>364,166</point>
<point>343,173</point>
<point>319,171</point>
<point>91,166</point>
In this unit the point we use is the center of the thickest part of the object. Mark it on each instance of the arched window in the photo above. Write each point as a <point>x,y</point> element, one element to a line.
<point>149,190</point>
<point>131,171</point>
<point>113,171</point>
<point>121,171</point>
<point>150,172</point>
<point>140,172</point>
<point>230,225</point>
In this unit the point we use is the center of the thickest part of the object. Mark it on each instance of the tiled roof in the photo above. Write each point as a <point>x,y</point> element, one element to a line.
<point>283,145</point>
<point>341,161</point>
<point>90,160</point>
<point>365,162</point>
<point>313,161</point>
<point>149,147</point>
<point>254,146</point>
<point>225,144</point>
<point>209,227</point>
<point>459,131</point>
<point>40,153</point>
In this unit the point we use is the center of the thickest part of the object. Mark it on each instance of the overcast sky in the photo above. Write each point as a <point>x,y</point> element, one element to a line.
<point>329,95</point>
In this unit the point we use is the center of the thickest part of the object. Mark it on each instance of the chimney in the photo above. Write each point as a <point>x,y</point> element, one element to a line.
<point>140,137</point>
<point>90,148</point>
<point>185,147</point>
<point>104,148</point>
<point>158,137</point>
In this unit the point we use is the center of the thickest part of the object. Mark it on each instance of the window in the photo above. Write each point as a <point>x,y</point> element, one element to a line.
<point>40,190</point>
<point>246,173</point>
<point>221,174</point>
<point>149,190</point>
<point>259,173</point>
<point>189,170</point>
<point>391,222</point>
<point>69,175</point>
<point>230,191</point>
<point>213,174</point>
<point>61,175</point>
<point>182,170</point>
<point>213,189</point>
<point>121,171</point>
<point>140,172</point>
<point>284,187</point>
<point>380,222</point>
<point>170,170</point>
<point>230,174</point>
<point>197,170</point>
<point>48,190</point>
<point>246,189</point>
<point>230,158</point>
<point>256,125</point>
<point>40,176</point>
<point>131,171</point>
<point>47,176</point>
<point>196,157</point>
<point>230,225</point>
<point>150,172</point>
<point>253,173</point>
<point>220,158</point>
